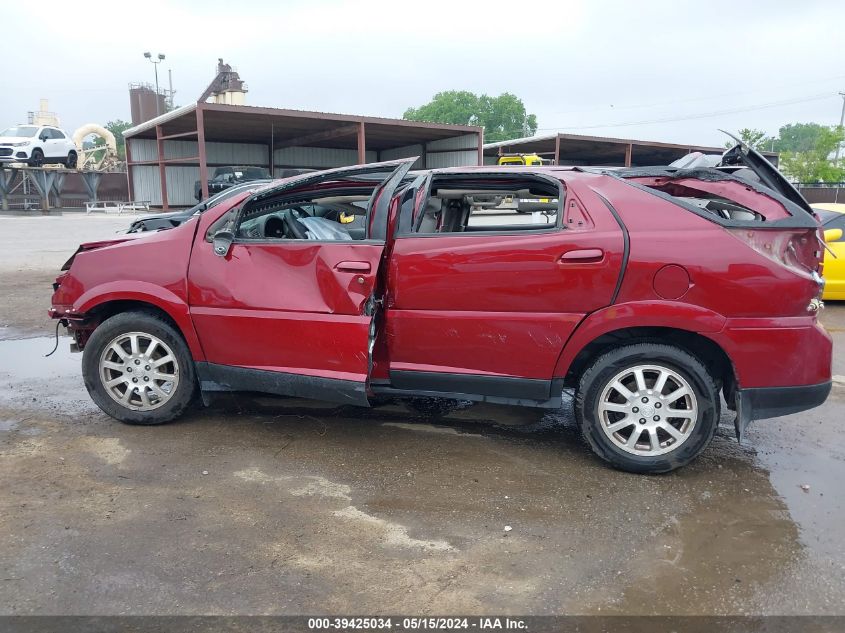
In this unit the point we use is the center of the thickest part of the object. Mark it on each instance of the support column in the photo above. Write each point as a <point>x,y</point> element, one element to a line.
<point>201,148</point>
<point>557,149</point>
<point>270,150</point>
<point>362,144</point>
<point>629,149</point>
<point>130,186</point>
<point>7,176</point>
<point>480,148</point>
<point>162,173</point>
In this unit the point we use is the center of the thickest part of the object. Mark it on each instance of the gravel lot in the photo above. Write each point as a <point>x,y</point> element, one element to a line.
<point>266,506</point>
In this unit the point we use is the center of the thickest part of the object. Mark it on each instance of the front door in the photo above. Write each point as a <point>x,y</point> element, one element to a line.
<point>285,313</point>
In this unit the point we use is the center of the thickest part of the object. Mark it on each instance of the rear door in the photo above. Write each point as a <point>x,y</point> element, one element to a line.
<point>489,312</point>
<point>293,316</point>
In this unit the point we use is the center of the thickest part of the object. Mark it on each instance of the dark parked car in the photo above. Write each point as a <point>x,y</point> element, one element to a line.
<point>162,221</point>
<point>650,292</point>
<point>225,177</point>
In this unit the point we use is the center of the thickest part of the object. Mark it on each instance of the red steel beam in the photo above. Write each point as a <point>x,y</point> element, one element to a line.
<point>129,163</point>
<point>201,146</point>
<point>166,161</point>
<point>161,169</point>
<point>362,144</point>
<point>179,135</point>
<point>481,148</point>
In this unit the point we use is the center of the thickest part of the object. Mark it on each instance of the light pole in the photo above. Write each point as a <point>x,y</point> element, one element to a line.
<point>841,121</point>
<point>155,63</point>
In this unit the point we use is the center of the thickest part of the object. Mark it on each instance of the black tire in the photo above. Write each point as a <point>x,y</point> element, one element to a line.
<point>36,159</point>
<point>148,323</point>
<point>70,163</point>
<point>599,375</point>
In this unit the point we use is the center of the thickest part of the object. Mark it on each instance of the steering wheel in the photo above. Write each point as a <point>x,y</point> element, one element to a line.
<point>294,226</point>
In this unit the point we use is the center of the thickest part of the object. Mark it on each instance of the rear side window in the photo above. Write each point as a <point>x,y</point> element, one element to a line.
<point>489,203</point>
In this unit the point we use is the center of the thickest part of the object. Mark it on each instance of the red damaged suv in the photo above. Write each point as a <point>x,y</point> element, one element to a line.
<point>649,291</point>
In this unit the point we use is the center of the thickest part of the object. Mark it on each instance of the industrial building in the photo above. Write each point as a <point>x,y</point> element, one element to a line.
<point>575,149</point>
<point>168,154</point>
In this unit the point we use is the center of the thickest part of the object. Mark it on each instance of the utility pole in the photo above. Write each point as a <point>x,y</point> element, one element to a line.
<point>155,64</point>
<point>841,122</point>
<point>170,92</point>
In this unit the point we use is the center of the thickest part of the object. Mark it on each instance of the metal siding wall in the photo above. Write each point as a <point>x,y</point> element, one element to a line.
<point>318,157</point>
<point>146,183</point>
<point>217,153</point>
<point>143,149</point>
<point>452,159</point>
<point>405,152</point>
<point>467,141</point>
<point>180,185</point>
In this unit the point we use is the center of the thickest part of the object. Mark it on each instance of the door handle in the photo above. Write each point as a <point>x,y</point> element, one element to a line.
<point>582,255</point>
<point>353,267</point>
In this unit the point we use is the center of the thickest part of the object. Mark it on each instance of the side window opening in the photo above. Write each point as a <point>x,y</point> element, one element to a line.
<point>712,193</point>
<point>329,211</point>
<point>473,204</point>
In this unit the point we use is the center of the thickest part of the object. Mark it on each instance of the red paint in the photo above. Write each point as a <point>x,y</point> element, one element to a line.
<point>671,282</point>
<point>521,304</point>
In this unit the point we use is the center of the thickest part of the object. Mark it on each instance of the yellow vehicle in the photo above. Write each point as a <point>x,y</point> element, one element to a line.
<point>833,222</point>
<point>523,159</point>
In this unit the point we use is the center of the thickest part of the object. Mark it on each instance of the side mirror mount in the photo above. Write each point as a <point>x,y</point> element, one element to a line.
<point>833,235</point>
<point>222,242</point>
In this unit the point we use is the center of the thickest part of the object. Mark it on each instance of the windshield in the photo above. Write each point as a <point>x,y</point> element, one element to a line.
<point>21,131</point>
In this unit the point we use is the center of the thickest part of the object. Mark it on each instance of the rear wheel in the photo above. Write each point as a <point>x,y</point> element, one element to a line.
<point>647,408</point>
<point>36,159</point>
<point>70,163</point>
<point>138,369</point>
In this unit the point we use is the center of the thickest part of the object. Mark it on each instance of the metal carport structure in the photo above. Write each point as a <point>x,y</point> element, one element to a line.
<point>165,155</point>
<point>576,149</point>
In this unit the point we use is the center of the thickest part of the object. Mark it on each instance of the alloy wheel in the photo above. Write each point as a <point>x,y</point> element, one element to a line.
<point>139,371</point>
<point>648,410</point>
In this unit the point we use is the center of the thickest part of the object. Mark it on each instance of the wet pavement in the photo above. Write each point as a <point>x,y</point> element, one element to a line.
<point>264,505</point>
<point>268,506</point>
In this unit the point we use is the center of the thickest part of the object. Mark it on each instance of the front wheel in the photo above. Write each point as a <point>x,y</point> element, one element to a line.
<point>138,369</point>
<point>36,159</point>
<point>647,408</point>
<point>70,163</point>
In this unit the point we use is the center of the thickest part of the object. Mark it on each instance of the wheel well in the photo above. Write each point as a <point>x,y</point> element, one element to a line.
<point>708,352</point>
<point>103,311</point>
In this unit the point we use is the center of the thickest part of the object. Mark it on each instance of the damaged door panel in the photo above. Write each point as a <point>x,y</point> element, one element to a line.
<point>294,314</point>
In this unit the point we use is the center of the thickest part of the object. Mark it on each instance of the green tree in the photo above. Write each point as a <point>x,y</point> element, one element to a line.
<point>800,137</point>
<point>811,160</point>
<point>755,139</point>
<point>117,128</point>
<point>503,117</point>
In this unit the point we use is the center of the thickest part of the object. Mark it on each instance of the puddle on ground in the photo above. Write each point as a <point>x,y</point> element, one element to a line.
<point>28,378</point>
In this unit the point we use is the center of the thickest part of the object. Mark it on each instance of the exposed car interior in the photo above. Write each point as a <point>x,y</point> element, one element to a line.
<point>337,210</point>
<point>489,202</point>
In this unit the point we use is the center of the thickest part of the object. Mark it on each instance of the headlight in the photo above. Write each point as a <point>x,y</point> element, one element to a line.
<point>21,144</point>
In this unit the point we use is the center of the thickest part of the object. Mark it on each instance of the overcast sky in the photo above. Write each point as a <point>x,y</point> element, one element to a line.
<point>602,68</point>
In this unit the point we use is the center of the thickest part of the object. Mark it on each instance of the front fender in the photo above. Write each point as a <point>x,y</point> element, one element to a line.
<point>669,314</point>
<point>144,292</point>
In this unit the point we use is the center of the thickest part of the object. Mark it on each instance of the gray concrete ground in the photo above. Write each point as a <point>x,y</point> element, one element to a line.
<point>266,506</point>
